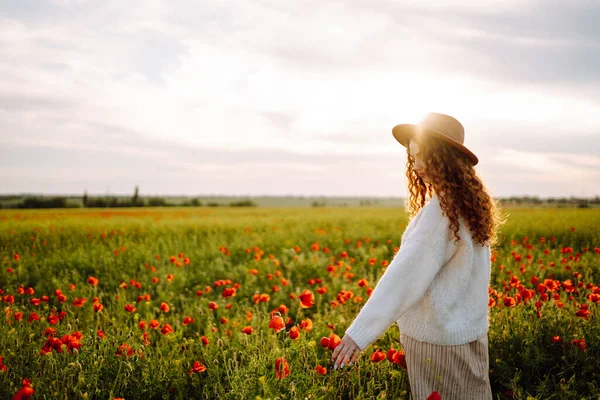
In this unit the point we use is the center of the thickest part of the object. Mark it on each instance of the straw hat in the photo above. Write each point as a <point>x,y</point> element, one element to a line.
<point>437,125</point>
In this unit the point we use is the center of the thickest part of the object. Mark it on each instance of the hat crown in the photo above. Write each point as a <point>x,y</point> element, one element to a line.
<point>444,124</point>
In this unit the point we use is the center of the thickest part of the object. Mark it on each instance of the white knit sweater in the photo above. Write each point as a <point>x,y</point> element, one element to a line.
<point>435,290</point>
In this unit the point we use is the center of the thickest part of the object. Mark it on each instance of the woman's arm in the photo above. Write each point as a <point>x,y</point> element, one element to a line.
<point>406,278</point>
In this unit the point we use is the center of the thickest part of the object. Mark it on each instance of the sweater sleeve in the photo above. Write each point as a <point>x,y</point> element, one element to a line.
<point>406,278</point>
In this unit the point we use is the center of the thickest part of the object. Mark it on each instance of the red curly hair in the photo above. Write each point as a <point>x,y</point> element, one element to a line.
<point>451,172</point>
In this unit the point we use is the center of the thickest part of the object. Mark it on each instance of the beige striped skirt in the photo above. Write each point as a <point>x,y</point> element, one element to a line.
<point>455,372</point>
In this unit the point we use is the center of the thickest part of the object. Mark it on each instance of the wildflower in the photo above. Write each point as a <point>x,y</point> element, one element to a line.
<point>166,329</point>
<point>25,392</point>
<point>277,323</point>
<point>509,301</point>
<point>130,308</point>
<point>378,356</point>
<point>397,357</point>
<point>124,349</point>
<point>307,299</point>
<point>198,367</point>
<point>583,311</point>
<point>321,370</point>
<point>247,330</point>
<point>556,339</point>
<point>434,396</point>
<point>579,343</point>
<point>294,333</point>
<point>281,368</point>
<point>306,325</point>
<point>283,308</point>
<point>331,342</point>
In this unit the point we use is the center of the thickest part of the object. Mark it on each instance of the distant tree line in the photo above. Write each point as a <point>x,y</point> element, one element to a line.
<point>579,202</point>
<point>85,201</point>
<point>13,201</point>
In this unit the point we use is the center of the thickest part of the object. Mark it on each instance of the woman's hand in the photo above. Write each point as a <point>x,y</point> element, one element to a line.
<point>345,353</point>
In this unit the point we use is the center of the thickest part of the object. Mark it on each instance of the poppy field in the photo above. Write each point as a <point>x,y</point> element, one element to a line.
<point>234,303</point>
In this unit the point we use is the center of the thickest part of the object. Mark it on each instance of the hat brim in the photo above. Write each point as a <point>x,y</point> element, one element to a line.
<point>404,132</point>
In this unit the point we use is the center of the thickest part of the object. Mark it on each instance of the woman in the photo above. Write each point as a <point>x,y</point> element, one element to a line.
<point>436,286</point>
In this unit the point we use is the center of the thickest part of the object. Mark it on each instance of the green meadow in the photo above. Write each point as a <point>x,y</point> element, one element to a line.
<point>179,303</point>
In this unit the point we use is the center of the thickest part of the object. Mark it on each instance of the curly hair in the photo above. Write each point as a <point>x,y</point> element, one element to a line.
<point>451,172</point>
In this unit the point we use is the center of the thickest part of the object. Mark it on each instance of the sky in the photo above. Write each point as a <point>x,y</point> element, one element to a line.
<point>278,97</point>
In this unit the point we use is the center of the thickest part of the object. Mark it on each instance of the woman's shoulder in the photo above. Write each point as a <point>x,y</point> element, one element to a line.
<point>429,218</point>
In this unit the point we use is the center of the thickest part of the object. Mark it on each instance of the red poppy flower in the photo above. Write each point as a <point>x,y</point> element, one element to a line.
<point>166,329</point>
<point>321,370</point>
<point>331,342</point>
<point>556,339</point>
<point>130,308</point>
<point>281,368</point>
<point>434,396</point>
<point>187,320</point>
<point>277,323</point>
<point>306,325</point>
<point>583,313</point>
<point>509,301</point>
<point>397,357</point>
<point>25,392</point>
<point>579,343</point>
<point>307,299</point>
<point>165,307</point>
<point>294,333</point>
<point>124,349</point>
<point>378,356</point>
<point>283,309</point>
<point>198,367</point>
<point>247,330</point>
<point>33,317</point>
<point>264,298</point>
